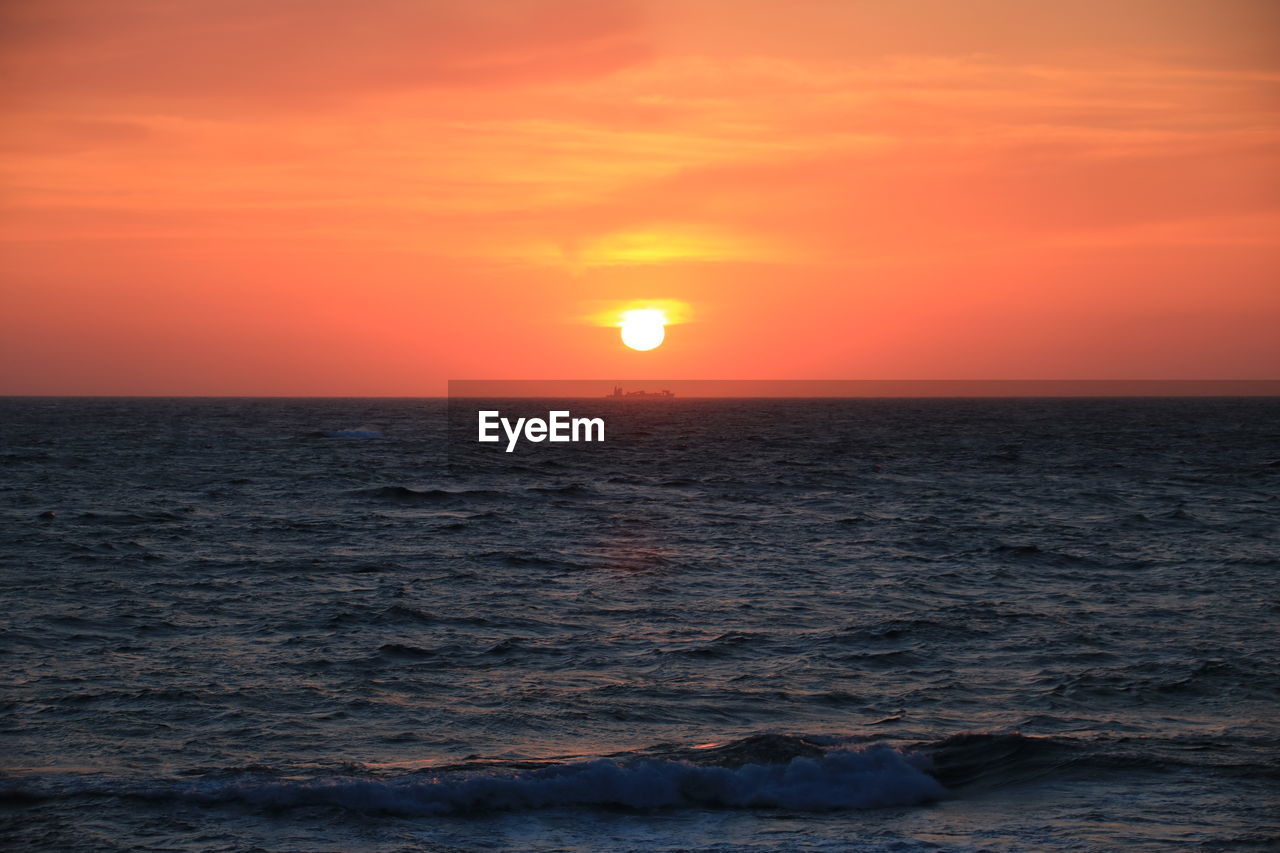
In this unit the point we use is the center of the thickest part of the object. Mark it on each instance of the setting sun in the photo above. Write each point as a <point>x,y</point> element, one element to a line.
<point>643,328</point>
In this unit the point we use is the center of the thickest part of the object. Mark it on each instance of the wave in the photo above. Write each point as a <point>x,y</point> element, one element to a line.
<point>403,650</point>
<point>872,778</point>
<point>766,771</point>
<point>133,518</point>
<point>1249,677</point>
<point>875,777</point>
<point>358,432</point>
<point>567,489</point>
<point>985,759</point>
<point>404,494</point>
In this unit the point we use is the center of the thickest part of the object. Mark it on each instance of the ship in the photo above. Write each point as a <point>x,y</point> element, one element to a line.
<point>618,393</point>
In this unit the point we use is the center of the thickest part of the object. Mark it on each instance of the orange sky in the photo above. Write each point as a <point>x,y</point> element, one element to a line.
<point>369,198</point>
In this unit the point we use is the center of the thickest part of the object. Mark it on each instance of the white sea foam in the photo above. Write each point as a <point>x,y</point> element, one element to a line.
<point>876,777</point>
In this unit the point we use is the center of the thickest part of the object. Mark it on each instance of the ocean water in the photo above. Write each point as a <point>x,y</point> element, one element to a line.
<point>735,625</point>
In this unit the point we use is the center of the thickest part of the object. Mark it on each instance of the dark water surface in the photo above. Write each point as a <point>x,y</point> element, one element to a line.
<point>763,625</point>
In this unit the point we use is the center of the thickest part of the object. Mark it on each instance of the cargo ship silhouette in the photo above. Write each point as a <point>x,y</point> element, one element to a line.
<point>618,393</point>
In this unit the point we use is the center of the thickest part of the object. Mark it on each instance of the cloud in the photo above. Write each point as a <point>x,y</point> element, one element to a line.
<point>201,55</point>
<point>1224,34</point>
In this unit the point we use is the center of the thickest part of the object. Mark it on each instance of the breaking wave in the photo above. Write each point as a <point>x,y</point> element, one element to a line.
<point>875,777</point>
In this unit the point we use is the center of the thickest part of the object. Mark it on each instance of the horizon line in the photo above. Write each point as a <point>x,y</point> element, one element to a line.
<point>772,388</point>
<point>868,388</point>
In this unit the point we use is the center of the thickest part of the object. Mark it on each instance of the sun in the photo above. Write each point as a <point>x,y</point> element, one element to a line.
<point>643,328</point>
<point>643,322</point>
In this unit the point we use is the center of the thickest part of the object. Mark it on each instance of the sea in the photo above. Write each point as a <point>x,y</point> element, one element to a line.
<point>735,624</point>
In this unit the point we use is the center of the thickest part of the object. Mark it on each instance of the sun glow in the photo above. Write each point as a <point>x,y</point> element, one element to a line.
<point>643,328</point>
<point>642,322</point>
